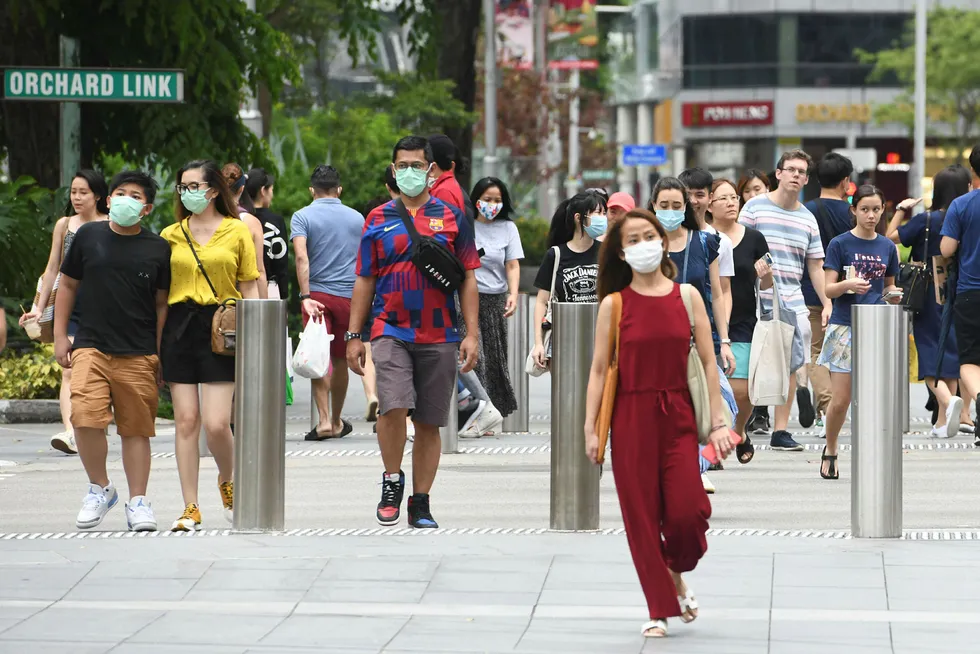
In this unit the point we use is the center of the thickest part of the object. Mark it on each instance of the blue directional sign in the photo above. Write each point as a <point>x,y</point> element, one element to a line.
<point>645,155</point>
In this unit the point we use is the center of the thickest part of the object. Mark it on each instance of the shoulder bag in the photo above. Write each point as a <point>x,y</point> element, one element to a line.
<point>697,380</point>
<point>603,421</point>
<point>770,355</point>
<point>914,278</point>
<point>530,366</point>
<point>225,321</point>
<point>433,259</point>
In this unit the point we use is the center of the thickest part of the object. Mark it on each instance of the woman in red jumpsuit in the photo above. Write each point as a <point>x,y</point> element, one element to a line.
<point>654,434</point>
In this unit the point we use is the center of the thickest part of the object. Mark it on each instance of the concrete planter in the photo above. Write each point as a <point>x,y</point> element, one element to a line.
<point>16,411</point>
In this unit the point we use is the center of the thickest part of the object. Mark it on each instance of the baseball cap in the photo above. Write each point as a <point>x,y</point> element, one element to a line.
<point>621,200</point>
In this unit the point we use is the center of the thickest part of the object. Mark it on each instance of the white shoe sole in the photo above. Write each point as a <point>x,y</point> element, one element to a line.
<point>952,417</point>
<point>180,525</point>
<point>96,522</point>
<point>143,526</point>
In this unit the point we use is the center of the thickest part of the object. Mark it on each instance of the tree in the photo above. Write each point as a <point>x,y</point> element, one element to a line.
<point>221,46</point>
<point>952,74</point>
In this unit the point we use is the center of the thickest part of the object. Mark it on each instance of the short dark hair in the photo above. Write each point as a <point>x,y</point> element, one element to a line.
<point>138,177</point>
<point>696,178</point>
<point>833,169</point>
<point>489,182</point>
<point>390,181</point>
<point>975,159</point>
<point>413,144</point>
<point>325,178</point>
<point>445,153</point>
<point>796,153</point>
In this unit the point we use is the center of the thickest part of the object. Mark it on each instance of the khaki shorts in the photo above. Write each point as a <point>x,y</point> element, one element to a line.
<point>419,376</point>
<point>127,384</point>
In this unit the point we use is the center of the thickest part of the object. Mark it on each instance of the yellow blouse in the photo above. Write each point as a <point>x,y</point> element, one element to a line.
<point>228,258</point>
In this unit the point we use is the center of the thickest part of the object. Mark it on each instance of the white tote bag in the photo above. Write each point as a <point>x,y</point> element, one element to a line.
<point>312,357</point>
<point>769,361</point>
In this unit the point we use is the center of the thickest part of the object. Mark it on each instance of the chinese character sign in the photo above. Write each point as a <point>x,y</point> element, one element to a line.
<point>573,34</point>
<point>515,34</point>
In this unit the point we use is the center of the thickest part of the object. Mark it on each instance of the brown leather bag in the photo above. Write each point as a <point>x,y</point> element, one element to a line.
<point>225,320</point>
<point>603,421</point>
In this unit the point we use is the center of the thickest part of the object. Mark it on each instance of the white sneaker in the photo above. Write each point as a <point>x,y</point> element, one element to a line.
<point>95,505</point>
<point>487,423</point>
<point>64,442</point>
<point>940,432</point>
<point>953,417</point>
<point>467,427</point>
<point>709,488</point>
<point>139,514</point>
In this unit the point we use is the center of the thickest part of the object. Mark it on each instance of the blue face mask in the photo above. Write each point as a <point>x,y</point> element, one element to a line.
<point>671,219</point>
<point>597,226</point>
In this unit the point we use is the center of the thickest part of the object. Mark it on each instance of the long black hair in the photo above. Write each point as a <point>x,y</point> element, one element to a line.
<point>948,184</point>
<point>256,180</point>
<point>674,184</point>
<point>97,184</point>
<point>563,223</point>
<point>224,203</point>
<point>489,182</point>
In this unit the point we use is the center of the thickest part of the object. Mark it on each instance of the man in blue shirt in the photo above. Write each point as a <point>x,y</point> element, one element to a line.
<point>326,235</point>
<point>961,238</point>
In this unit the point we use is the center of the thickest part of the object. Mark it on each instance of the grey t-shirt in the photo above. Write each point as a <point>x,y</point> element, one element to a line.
<point>333,234</point>
<point>501,243</point>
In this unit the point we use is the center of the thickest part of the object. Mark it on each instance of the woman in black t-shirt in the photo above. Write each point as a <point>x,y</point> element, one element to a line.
<point>750,252</point>
<point>260,186</point>
<point>574,228</point>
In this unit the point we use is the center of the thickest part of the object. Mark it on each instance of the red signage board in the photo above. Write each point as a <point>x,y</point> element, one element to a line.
<point>726,114</point>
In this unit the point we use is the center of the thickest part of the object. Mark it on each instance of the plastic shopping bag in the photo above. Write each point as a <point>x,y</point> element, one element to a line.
<point>312,358</point>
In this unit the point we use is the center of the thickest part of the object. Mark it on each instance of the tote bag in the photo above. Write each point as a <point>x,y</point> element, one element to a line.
<point>771,354</point>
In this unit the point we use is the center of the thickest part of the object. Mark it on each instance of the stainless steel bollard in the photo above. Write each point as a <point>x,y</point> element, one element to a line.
<point>574,479</point>
<point>517,350</point>
<point>260,416</point>
<point>450,433</point>
<point>879,335</point>
<point>903,351</point>
<point>314,412</point>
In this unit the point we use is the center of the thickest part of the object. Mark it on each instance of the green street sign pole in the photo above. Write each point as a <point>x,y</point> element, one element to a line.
<point>71,118</point>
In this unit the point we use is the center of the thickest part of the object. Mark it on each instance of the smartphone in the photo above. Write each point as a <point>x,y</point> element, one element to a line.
<point>767,258</point>
<point>709,450</point>
<point>890,294</point>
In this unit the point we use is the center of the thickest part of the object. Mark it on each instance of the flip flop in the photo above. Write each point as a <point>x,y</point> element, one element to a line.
<point>314,435</point>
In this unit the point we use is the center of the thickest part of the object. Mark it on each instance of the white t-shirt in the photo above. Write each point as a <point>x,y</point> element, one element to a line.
<point>726,258</point>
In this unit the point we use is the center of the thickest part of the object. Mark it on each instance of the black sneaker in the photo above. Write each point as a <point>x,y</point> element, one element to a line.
<point>759,421</point>
<point>392,492</point>
<point>805,404</point>
<point>419,515</point>
<point>783,441</point>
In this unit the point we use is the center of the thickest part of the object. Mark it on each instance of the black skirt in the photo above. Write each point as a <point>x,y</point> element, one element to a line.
<point>186,354</point>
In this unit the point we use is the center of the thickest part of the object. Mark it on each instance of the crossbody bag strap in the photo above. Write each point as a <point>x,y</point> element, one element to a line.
<point>686,290</point>
<point>554,272</point>
<point>925,253</point>
<point>687,252</point>
<point>409,222</point>
<point>200,265</point>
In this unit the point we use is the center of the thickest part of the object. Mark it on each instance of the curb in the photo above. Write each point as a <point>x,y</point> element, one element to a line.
<point>19,411</point>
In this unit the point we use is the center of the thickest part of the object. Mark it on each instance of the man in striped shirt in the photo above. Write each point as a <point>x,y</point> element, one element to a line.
<point>795,246</point>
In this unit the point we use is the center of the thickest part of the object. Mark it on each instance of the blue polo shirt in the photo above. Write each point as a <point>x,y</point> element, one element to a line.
<point>963,224</point>
<point>333,235</point>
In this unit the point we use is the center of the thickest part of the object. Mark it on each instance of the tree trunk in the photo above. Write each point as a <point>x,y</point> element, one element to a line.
<point>459,22</point>
<point>29,130</point>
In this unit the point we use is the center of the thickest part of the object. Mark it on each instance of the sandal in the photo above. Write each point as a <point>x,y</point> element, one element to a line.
<point>832,471</point>
<point>689,606</point>
<point>745,451</point>
<point>314,435</point>
<point>648,628</point>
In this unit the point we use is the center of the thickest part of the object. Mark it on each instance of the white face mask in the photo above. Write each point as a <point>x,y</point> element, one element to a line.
<point>645,256</point>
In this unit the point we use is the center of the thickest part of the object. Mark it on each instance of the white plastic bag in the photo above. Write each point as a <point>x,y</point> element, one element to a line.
<point>312,358</point>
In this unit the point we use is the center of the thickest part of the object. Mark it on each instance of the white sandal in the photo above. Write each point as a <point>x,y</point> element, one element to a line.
<point>659,623</point>
<point>688,605</point>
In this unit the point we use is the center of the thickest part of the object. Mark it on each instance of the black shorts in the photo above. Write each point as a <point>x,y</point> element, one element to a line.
<point>966,319</point>
<point>186,354</point>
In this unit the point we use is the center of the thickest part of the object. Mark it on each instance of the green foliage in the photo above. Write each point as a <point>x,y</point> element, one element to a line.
<point>534,238</point>
<point>31,376</point>
<point>165,405</point>
<point>27,216</point>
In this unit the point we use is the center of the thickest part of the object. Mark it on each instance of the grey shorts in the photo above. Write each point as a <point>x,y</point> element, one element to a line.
<point>418,376</point>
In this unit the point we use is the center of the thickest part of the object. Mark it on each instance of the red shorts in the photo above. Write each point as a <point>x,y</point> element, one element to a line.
<point>336,315</point>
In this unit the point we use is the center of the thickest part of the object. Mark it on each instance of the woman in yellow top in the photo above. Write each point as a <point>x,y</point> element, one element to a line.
<point>208,227</point>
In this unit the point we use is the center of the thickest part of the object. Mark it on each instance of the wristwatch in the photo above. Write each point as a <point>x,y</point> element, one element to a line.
<point>304,296</point>
<point>350,336</point>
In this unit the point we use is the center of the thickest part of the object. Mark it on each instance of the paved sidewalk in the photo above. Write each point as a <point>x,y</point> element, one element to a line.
<point>438,592</point>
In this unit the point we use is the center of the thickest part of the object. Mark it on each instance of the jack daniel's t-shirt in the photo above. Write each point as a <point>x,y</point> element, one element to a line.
<point>577,274</point>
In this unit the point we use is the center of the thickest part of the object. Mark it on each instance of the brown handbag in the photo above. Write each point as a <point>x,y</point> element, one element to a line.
<point>225,320</point>
<point>603,421</point>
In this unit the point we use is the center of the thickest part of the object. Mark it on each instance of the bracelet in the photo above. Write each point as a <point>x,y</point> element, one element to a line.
<point>304,296</point>
<point>726,341</point>
<point>717,427</point>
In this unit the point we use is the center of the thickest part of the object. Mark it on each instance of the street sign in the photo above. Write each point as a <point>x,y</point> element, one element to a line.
<point>645,155</point>
<point>93,85</point>
<point>597,175</point>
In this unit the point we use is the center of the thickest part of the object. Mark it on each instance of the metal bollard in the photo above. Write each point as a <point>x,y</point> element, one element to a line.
<point>517,349</point>
<point>260,416</point>
<point>903,351</point>
<point>574,479</point>
<point>449,435</point>
<point>879,335</point>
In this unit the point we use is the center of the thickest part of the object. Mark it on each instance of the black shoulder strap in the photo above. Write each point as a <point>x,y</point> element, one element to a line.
<point>925,252</point>
<point>408,221</point>
<point>200,265</point>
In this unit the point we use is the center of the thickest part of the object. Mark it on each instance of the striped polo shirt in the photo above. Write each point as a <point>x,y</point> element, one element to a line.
<point>793,237</point>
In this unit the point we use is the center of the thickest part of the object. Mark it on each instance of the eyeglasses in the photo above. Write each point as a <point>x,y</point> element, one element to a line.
<point>726,198</point>
<point>193,186</point>
<point>418,165</point>
<point>795,172</point>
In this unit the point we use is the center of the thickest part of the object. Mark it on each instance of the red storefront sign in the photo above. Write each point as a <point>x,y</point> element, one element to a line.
<point>726,114</point>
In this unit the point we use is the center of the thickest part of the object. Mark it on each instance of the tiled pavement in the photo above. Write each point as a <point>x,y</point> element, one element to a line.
<point>443,592</point>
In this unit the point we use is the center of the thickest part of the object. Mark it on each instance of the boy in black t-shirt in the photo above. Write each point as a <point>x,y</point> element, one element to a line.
<point>114,358</point>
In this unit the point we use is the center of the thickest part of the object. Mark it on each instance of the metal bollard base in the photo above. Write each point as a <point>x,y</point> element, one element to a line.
<point>449,435</point>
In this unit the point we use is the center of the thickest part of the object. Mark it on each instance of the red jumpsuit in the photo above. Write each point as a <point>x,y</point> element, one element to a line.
<point>655,447</point>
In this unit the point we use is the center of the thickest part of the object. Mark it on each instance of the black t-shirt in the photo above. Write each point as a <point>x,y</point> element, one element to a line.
<point>750,249</point>
<point>275,254</point>
<point>121,276</point>
<point>577,274</point>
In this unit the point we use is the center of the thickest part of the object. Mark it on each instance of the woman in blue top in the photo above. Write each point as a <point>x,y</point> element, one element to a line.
<point>948,184</point>
<point>860,268</point>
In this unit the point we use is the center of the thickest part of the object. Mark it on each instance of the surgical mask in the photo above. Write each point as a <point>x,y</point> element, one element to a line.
<point>195,201</point>
<point>489,210</point>
<point>125,211</point>
<point>412,182</point>
<point>671,219</point>
<point>645,256</point>
<point>597,226</point>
